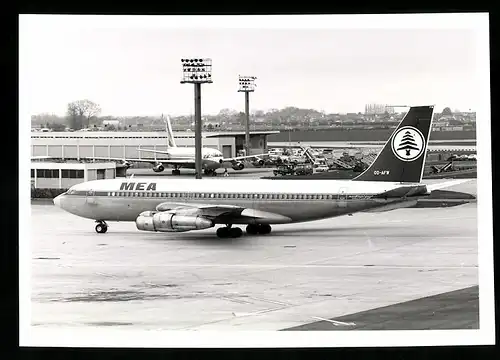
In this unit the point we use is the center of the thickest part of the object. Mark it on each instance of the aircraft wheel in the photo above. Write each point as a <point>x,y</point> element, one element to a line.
<point>235,232</point>
<point>252,229</point>
<point>101,228</point>
<point>223,232</point>
<point>264,229</point>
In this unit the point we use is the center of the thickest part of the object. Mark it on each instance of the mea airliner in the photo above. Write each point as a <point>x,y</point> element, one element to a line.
<point>178,205</point>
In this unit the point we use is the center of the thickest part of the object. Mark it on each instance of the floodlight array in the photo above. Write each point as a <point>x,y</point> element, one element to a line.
<point>247,83</point>
<point>196,70</point>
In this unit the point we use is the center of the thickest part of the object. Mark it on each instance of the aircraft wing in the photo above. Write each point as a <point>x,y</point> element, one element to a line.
<point>223,214</point>
<point>236,158</point>
<point>42,157</point>
<point>149,161</point>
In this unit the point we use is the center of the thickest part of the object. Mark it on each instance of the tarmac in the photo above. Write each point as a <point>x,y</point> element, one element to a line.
<point>328,274</point>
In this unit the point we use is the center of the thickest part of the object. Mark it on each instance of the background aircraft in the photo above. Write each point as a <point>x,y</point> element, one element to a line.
<point>184,157</point>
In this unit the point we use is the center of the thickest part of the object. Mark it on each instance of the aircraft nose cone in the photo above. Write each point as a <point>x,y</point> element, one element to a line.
<point>57,201</point>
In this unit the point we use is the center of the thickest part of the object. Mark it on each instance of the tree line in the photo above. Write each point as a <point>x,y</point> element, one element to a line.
<point>85,113</point>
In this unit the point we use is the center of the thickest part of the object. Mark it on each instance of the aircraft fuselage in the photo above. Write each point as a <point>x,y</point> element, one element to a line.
<point>297,201</point>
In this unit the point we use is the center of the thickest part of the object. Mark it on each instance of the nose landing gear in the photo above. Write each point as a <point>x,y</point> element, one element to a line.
<point>101,227</point>
<point>210,172</point>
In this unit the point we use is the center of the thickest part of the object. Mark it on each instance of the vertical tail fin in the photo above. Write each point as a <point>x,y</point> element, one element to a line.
<point>402,158</point>
<point>170,133</point>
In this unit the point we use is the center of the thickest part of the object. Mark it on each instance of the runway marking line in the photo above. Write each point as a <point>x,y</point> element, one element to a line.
<point>334,322</point>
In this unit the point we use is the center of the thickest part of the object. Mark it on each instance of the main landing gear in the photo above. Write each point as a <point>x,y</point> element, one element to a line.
<point>263,229</point>
<point>176,172</point>
<point>252,229</point>
<point>228,231</point>
<point>101,227</point>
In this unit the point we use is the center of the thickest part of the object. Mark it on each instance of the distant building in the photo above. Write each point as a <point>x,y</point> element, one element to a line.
<point>111,122</point>
<point>372,109</point>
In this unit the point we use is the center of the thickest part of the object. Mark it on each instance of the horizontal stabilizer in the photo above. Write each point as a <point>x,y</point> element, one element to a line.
<point>408,190</point>
<point>441,203</point>
<point>394,206</point>
<point>446,184</point>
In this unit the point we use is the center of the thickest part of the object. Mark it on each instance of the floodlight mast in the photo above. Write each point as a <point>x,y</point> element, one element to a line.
<point>247,85</point>
<point>197,71</point>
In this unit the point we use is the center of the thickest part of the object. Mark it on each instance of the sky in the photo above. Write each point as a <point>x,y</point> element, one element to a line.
<point>132,67</point>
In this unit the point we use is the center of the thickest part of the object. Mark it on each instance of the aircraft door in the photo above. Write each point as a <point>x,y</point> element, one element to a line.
<point>342,197</point>
<point>90,198</point>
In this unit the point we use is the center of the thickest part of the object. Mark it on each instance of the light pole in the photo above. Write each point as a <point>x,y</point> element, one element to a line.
<point>247,85</point>
<point>197,71</point>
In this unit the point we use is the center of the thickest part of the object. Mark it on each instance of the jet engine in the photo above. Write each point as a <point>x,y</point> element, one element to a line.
<point>158,168</point>
<point>258,162</point>
<point>238,166</point>
<point>126,164</point>
<point>170,222</point>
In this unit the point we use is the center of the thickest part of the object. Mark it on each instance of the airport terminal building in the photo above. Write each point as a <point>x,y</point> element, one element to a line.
<point>63,175</point>
<point>74,145</point>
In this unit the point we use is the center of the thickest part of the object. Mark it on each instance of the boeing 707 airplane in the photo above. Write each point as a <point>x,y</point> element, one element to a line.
<point>392,181</point>
<point>184,157</point>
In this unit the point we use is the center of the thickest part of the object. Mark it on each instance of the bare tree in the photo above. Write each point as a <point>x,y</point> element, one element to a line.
<point>74,117</point>
<point>92,110</point>
<point>81,110</point>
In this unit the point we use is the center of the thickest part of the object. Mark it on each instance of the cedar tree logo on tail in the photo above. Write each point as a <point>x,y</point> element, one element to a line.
<point>408,144</point>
